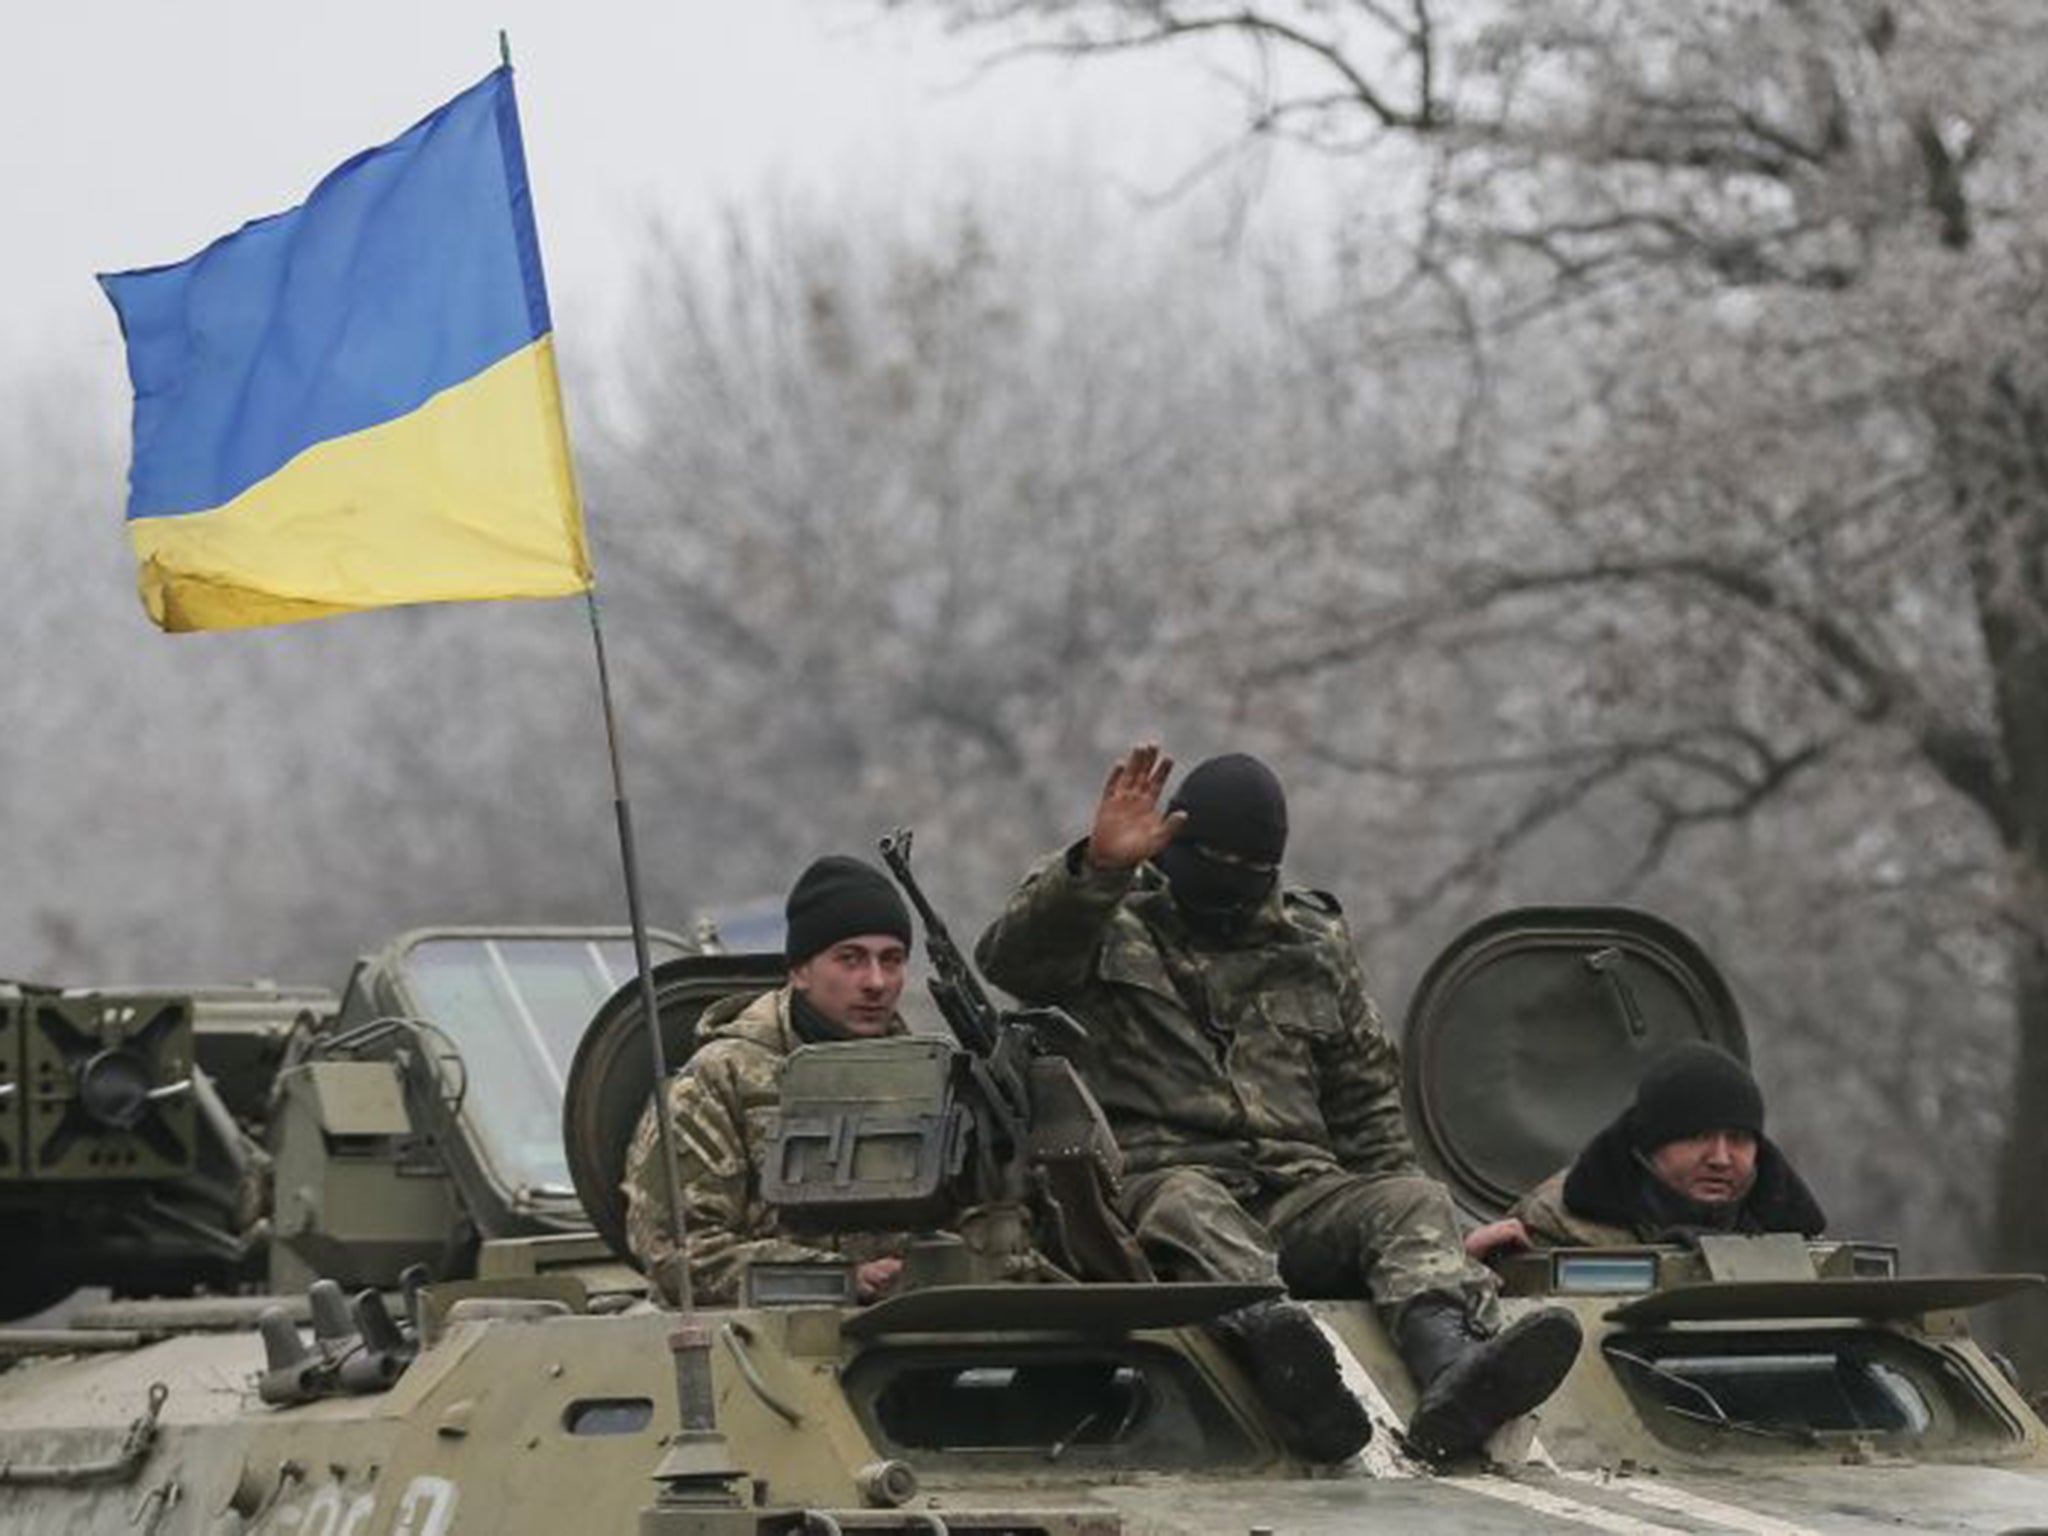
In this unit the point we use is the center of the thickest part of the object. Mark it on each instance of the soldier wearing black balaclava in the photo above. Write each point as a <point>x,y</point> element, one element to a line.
<point>1225,861</point>
<point>1256,1098</point>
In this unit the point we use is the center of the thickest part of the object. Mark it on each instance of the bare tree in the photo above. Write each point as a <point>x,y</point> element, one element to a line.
<point>929,524</point>
<point>211,807</point>
<point>1750,293</point>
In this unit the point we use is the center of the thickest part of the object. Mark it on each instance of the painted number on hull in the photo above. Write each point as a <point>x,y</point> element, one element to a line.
<point>426,1508</point>
<point>325,1514</point>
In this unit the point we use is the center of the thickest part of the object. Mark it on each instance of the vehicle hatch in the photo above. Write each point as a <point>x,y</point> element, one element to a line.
<point>1528,1033</point>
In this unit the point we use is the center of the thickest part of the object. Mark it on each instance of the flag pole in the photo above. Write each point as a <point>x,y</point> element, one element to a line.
<point>698,1467</point>
<point>671,1173</point>
<point>623,810</point>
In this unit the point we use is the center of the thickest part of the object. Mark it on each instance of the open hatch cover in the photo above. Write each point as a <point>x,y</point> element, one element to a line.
<point>1727,1301</point>
<point>1095,1308</point>
<point>1529,1031</point>
<point>612,1076</point>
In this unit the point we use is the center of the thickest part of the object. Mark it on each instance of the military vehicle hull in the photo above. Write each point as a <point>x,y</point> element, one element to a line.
<point>539,1421</point>
<point>1747,1384</point>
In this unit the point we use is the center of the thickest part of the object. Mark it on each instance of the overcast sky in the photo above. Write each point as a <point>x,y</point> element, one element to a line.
<point>133,133</point>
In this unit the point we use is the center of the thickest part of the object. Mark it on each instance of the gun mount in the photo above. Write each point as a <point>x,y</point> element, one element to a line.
<point>989,1147</point>
<point>133,1125</point>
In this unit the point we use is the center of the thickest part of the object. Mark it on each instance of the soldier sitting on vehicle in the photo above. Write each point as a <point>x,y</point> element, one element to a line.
<point>1256,1100</point>
<point>1689,1156</point>
<point>848,947</point>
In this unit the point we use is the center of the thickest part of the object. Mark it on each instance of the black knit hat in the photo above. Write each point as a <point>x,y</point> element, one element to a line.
<point>841,898</point>
<point>1692,1089</point>
<point>1234,803</point>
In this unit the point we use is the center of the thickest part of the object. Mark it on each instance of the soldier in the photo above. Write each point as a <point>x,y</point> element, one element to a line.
<point>848,944</point>
<point>1689,1156</point>
<point>1255,1097</point>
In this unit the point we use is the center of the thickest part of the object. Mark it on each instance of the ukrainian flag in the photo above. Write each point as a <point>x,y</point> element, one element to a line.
<point>354,403</point>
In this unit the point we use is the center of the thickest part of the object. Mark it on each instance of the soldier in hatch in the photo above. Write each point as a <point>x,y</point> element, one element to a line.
<point>848,945</point>
<point>1256,1099</point>
<point>1689,1156</point>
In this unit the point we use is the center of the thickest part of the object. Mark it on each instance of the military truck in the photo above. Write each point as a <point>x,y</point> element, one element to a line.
<point>482,1355</point>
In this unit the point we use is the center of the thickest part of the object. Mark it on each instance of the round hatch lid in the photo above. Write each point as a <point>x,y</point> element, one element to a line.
<point>612,1077</point>
<point>1529,1032</point>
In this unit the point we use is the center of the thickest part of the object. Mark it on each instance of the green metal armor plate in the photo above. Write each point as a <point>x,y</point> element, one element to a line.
<point>1528,1034</point>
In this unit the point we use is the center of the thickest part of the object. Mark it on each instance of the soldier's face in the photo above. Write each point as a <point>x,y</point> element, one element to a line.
<point>856,982</point>
<point>1714,1168</point>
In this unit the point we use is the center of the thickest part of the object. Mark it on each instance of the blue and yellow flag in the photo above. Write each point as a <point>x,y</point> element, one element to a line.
<point>354,403</point>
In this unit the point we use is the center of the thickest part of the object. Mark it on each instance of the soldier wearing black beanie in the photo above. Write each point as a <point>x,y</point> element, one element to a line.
<point>1697,1110</point>
<point>1692,1089</point>
<point>847,949</point>
<point>841,898</point>
<point>837,900</point>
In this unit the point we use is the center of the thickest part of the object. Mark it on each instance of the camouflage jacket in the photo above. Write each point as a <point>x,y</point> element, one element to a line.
<point>1264,1061</point>
<point>1607,1198</point>
<point>1553,1224</point>
<point>722,1105</point>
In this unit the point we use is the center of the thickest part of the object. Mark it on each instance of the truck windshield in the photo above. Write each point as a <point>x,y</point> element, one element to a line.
<point>515,1006</point>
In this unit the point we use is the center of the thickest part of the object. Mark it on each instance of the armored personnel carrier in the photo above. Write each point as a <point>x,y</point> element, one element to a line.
<point>450,1339</point>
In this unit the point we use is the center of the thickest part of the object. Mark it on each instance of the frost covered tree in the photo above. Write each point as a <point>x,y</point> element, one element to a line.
<point>1750,545</point>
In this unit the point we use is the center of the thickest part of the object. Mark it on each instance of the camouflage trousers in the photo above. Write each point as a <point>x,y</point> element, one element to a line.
<point>1393,1238</point>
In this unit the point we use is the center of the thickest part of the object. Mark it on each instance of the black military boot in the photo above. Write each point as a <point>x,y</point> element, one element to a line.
<point>1471,1381</point>
<point>1294,1370</point>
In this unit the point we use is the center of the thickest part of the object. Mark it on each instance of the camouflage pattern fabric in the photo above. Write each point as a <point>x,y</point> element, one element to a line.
<point>1251,1086</point>
<point>722,1105</point>
<point>1393,1239</point>
<point>1553,1224</point>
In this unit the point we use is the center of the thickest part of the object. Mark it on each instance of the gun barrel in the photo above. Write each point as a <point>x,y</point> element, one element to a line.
<point>954,987</point>
<point>896,854</point>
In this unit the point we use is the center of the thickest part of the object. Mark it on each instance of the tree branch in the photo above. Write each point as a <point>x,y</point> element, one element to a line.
<point>1425,115</point>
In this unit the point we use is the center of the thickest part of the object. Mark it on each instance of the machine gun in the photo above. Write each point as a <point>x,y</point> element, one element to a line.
<point>995,1142</point>
<point>1001,1045</point>
<point>960,996</point>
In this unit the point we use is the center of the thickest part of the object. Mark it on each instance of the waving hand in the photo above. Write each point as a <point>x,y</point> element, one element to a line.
<point>1128,827</point>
